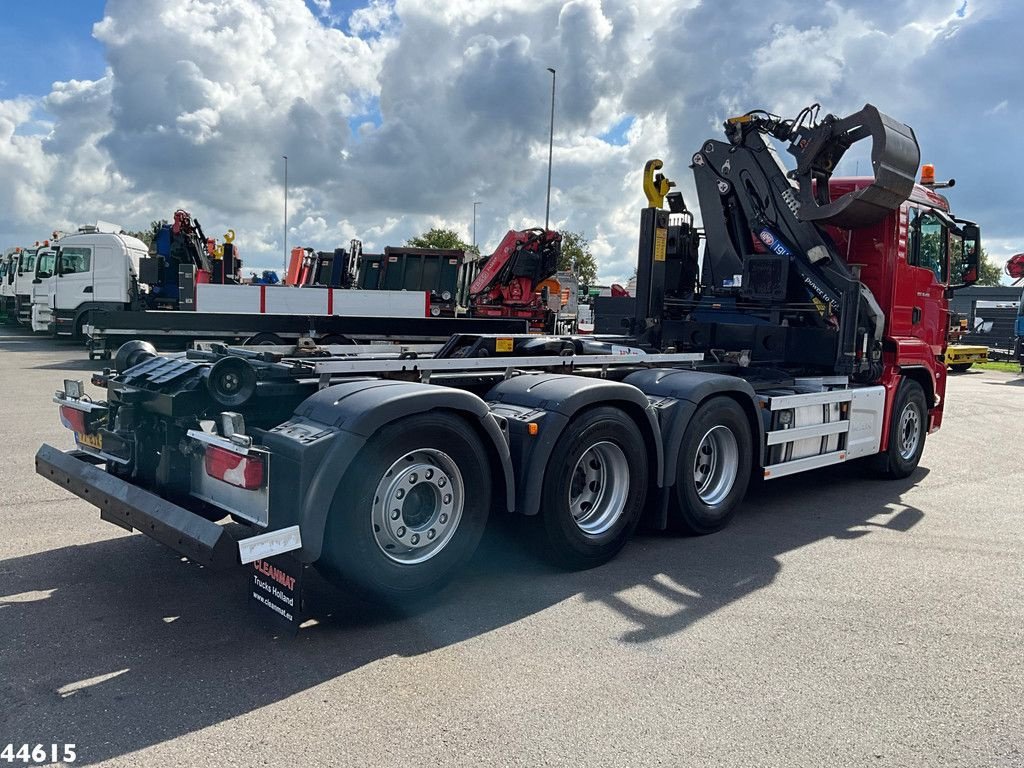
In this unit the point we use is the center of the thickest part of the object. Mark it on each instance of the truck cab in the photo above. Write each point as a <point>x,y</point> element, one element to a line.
<point>911,261</point>
<point>46,260</point>
<point>89,270</point>
<point>8,267</point>
<point>24,274</point>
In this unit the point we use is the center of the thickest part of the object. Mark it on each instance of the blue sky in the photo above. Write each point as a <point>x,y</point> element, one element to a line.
<point>48,41</point>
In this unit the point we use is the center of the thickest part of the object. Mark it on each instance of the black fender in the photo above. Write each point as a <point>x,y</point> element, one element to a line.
<point>352,413</point>
<point>677,393</point>
<point>551,400</point>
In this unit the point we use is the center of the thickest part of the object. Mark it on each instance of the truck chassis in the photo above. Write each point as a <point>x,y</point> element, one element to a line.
<point>382,469</point>
<point>106,331</point>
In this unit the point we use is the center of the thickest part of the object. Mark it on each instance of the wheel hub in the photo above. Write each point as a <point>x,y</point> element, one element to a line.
<point>909,432</point>
<point>417,506</point>
<point>715,465</point>
<point>599,488</point>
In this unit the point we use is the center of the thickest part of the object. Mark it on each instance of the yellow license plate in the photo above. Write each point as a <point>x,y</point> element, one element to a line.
<point>91,441</point>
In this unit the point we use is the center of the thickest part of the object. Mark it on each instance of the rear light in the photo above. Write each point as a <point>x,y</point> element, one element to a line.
<point>73,419</point>
<point>233,468</point>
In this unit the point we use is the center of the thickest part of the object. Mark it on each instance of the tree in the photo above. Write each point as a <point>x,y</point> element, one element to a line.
<point>989,273</point>
<point>576,246</point>
<point>146,236</point>
<point>442,238</point>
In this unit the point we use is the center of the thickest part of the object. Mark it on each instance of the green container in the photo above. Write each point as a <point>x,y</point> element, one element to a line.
<point>370,271</point>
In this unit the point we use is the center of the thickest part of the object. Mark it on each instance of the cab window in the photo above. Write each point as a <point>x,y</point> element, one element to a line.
<point>75,260</point>
<point>44,265</point>
<point>929,243</point>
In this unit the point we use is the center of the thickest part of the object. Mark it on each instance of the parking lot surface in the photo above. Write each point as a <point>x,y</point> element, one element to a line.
<point>841,620</point>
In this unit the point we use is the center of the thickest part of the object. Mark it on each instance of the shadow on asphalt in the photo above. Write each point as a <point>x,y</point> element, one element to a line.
<point>75,365</point>
<point>119,645</point>
<point>15,339</point>
<point>1015,382</point>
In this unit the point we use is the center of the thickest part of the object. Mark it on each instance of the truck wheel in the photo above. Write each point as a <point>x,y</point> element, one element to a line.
<point>410,510</point>
<point>264,340</point>
<point>908,427</point>
<point>960,367</point>
<point>334,339</point>
<point>594,488</point>
<point>714,467</point>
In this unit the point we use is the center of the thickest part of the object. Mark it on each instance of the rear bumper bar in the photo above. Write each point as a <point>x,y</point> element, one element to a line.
<point>131,507</point>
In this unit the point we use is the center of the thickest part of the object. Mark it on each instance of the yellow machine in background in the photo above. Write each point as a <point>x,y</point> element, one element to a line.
<point>960,357</point>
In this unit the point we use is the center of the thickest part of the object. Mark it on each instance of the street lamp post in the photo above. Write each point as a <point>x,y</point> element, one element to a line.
<point>551,144</point>
<point>285,274</point>
<point>474,221</point>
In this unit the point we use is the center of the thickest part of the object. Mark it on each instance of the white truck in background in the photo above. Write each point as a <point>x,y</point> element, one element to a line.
<point>93,276</point>
<point>8,269</point>
<point>24,274</point>
<point>81,272</point>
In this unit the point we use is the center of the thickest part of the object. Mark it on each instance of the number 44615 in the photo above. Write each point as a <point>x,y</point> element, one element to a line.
<point>38,754</point>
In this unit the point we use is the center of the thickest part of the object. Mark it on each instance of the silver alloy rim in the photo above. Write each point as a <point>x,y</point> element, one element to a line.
<point>417,506</point>
<point>910,431</point>
<point>598,488</point>
<point>716,465</point>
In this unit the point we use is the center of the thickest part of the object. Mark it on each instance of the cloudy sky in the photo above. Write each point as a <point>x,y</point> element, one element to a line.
<point>397,116</point>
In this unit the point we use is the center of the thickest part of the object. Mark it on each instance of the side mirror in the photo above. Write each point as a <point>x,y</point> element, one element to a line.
<point>970,262</point>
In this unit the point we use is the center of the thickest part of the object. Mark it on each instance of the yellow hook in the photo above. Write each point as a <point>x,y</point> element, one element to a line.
<point>656,186</point>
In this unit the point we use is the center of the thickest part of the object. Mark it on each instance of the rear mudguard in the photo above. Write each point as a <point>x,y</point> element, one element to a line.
<point>312,450</point>
<point>675,395</point>
<point>550,401</point>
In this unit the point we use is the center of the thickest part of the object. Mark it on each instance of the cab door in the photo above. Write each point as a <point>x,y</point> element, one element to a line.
<point>75,279</point>
<point>42,282</point>
<point>928,262</point>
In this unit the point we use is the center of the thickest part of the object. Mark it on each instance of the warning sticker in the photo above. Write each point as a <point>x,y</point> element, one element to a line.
<point>503,345</point>
<point>660,240</point>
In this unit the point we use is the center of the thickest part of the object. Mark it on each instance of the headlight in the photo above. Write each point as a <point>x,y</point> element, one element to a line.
<point>435,311</point>
<point>446,295</point>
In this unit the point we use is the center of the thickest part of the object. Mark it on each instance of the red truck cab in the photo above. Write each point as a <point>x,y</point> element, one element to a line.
<point>910,261</point>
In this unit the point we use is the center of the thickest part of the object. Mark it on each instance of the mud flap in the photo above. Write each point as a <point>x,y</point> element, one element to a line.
<point>895,156</point>
<point>275,591</point>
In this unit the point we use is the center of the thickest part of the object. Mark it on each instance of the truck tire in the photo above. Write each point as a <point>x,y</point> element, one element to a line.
<point>334,339</point>
<point>960,367</point>
<point>594,488</point>
<point>264,340</point>
<point>908,427</point>
<point>410,509</point>
<point>714,468</point>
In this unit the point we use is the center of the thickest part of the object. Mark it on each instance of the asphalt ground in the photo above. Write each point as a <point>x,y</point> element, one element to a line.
<point>841,620</point>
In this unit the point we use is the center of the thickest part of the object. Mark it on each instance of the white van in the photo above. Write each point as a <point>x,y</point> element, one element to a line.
<point>89,270</point>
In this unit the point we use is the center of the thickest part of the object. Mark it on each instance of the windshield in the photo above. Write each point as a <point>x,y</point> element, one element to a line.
<point>44,267</point>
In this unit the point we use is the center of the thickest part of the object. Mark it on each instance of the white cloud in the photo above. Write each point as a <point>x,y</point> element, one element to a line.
<point>413,110</point>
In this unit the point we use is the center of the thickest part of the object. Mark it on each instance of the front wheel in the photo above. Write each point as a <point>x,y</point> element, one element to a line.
<point>908,427</point>
<point>411,508</point>
<point>714,467</point>
<point>594,488</point>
